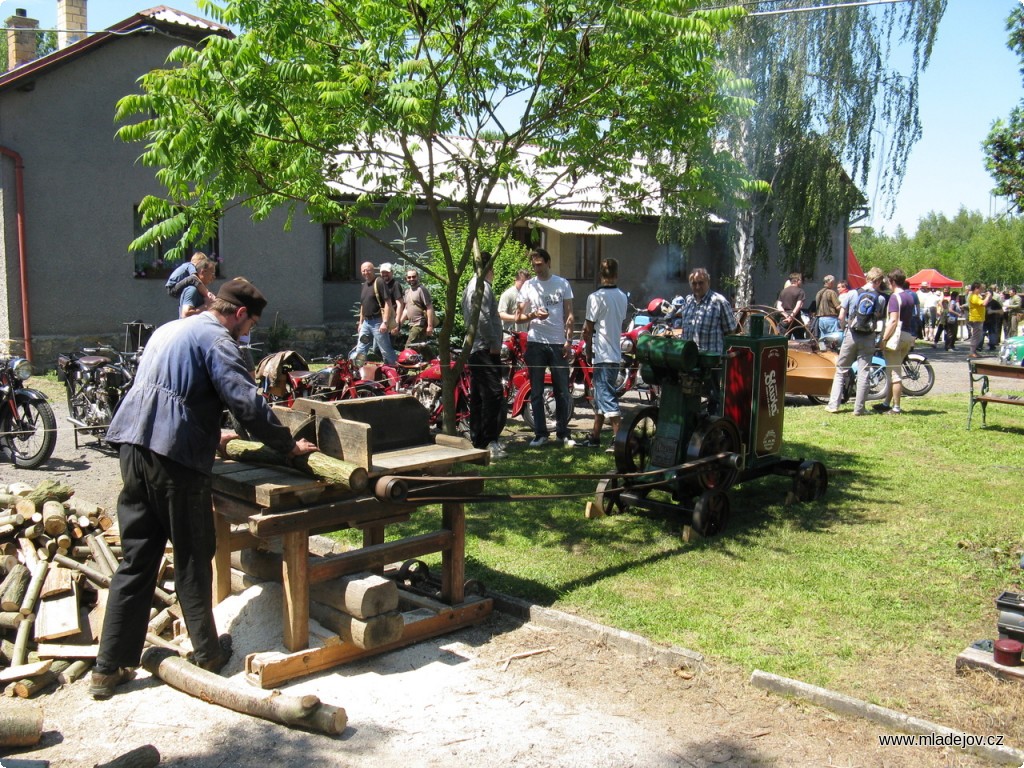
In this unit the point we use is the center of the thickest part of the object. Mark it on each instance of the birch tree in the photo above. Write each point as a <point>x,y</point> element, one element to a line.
<point>836,99</point>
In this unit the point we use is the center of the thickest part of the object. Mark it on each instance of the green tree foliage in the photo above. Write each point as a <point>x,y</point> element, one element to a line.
<point>828,85</point>
<point>1004,146</point>
<point>967,247</point>
<point>355,112</point>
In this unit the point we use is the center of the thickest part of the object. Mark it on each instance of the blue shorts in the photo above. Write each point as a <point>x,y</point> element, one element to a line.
<point>605,401</point>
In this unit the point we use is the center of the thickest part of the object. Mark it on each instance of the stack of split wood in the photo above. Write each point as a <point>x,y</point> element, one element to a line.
<point>57,556</point>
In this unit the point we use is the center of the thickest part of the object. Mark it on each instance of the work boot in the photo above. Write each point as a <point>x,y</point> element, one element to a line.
<point>102,686</point>
<point>215,665</point>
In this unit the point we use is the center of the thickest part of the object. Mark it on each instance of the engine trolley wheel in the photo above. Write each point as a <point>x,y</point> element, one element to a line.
<point>810,481</point>
<point>607,498</point>
<point>711,513</point>
<point>634,439</point>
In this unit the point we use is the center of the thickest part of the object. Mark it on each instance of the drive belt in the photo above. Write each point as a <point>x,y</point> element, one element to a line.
<point>411,488</point>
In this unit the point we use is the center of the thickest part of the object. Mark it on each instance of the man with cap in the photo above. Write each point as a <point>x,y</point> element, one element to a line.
<point>377,319</point>
<point>167,431</point>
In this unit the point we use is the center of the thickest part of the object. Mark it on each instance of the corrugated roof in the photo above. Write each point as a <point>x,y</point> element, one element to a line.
<point>574,226</point>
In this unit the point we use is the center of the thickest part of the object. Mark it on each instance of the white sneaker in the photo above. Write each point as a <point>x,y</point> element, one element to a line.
<point>568,442</point>
<point>537,442</point>
<point>497,452</point>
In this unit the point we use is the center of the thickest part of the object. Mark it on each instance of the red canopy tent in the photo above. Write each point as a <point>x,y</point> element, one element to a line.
<point>934,278</point>
<point>854,271</point>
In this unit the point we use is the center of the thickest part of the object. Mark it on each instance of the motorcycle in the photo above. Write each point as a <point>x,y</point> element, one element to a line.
<point>96,383</point>
<point>28,429</point>
<point>916,372</point>
<point>426,387</point>
<point>516,381</point>
<point>284,376</point>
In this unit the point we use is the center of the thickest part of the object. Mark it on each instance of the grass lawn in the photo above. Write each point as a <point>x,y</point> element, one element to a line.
<point>900,562</point>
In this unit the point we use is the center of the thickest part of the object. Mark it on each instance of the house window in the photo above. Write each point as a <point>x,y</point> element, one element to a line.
<point>155,263</point>
<point>530,236</point>
<point>340,263</point>
<point>675,261</point>
<point>588,253</point>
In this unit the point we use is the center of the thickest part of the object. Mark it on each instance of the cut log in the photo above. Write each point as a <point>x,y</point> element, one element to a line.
<point>10,619</point>
<point>19,489</point>
<point>362,633</point>
<point>8,529</point>
<point>108,555</point>
<point>145,756</point>
<point>33,686</point>
<point>91,574</point>
<point>35,586</point>
<point>12,591</point>
<point>55,519</point>
<point>84,508</point>
<point>59,581</point>
<point>21,725</point>
<point>74,671</point>
<point>19,654</point>
<point>25,507</point>
<point>28,551</point>
<point>12,519</point>
<point>318,464</point>
<point>363,595</point>
<point>33,531</point>
<point>305,712</point>
<point>98,557</point>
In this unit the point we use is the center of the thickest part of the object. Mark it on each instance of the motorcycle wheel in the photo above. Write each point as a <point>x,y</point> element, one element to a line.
<point>917,375</point>
<point>36,433</point>
<point>549,408</point>
<point>876,382</point>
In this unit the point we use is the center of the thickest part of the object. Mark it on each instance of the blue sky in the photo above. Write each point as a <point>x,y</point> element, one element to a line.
<point>972,80</point>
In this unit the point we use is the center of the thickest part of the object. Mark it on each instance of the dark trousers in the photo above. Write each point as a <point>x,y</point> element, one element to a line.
<point>993,330</point>
<point>161,501</point>
<point>486,398</point>
<point>538,357</point>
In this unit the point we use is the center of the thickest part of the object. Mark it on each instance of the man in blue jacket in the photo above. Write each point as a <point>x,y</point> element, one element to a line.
<point>167,431</point>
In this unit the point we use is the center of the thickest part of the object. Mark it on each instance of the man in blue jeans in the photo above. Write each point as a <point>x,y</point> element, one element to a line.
<point>602,332</point>
<point>376,314</point>
<point>546,302</point>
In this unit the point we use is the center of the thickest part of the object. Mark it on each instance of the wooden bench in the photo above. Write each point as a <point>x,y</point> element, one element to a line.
<point>981,371</point>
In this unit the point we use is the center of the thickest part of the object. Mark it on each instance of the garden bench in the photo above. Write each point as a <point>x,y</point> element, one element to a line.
<point>981,371</point>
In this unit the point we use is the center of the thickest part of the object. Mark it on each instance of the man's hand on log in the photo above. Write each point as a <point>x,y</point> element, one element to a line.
<point>302,447</point>
<point>225,437</point>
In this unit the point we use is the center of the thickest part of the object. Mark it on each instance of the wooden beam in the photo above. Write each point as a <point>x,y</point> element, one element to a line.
<point>379,555</point>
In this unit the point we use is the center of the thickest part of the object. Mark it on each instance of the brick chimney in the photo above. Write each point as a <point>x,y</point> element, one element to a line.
<point>71,22</point>
<point>21,39</point>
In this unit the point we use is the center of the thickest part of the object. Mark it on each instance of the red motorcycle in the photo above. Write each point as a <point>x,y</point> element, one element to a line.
<point>284,376</point>
<point>403,375</point>
<point>426,387</point>
<point>517,382</point>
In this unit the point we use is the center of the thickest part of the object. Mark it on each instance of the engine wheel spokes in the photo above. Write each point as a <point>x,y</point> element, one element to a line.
<point>608,498</point>
<point>810,481</point>
<point>715,436</point>
<point>917,377</point>
<point>711,513</point>
<point>31,434</point>
<point>635,438</point>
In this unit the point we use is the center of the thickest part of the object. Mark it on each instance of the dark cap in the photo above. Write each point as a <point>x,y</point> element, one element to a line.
<point>242,293</point>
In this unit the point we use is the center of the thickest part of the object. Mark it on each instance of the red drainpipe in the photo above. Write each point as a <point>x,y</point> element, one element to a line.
<point>19,184</point>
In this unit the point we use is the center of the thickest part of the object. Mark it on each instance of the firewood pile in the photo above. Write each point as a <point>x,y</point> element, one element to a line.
<point>57,556</point>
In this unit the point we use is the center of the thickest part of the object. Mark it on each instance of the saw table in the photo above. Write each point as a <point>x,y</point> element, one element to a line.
<point>256,504</point>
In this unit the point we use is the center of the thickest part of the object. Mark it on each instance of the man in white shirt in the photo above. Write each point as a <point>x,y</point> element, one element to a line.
<point>508,305</point>
<point>546,302</point>
<point>602,332</point>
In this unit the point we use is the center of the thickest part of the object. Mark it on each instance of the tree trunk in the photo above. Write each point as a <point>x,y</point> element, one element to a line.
<point>305,712</point>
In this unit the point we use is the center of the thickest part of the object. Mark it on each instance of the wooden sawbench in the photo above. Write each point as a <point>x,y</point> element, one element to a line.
<point>255,504</point>
<point>981,372</point>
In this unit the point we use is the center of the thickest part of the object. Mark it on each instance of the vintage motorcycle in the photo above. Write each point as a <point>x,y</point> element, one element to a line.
<point>96,381</point>
<point>284,376</point>
<point>426,387</point>
<point>28,429</point>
